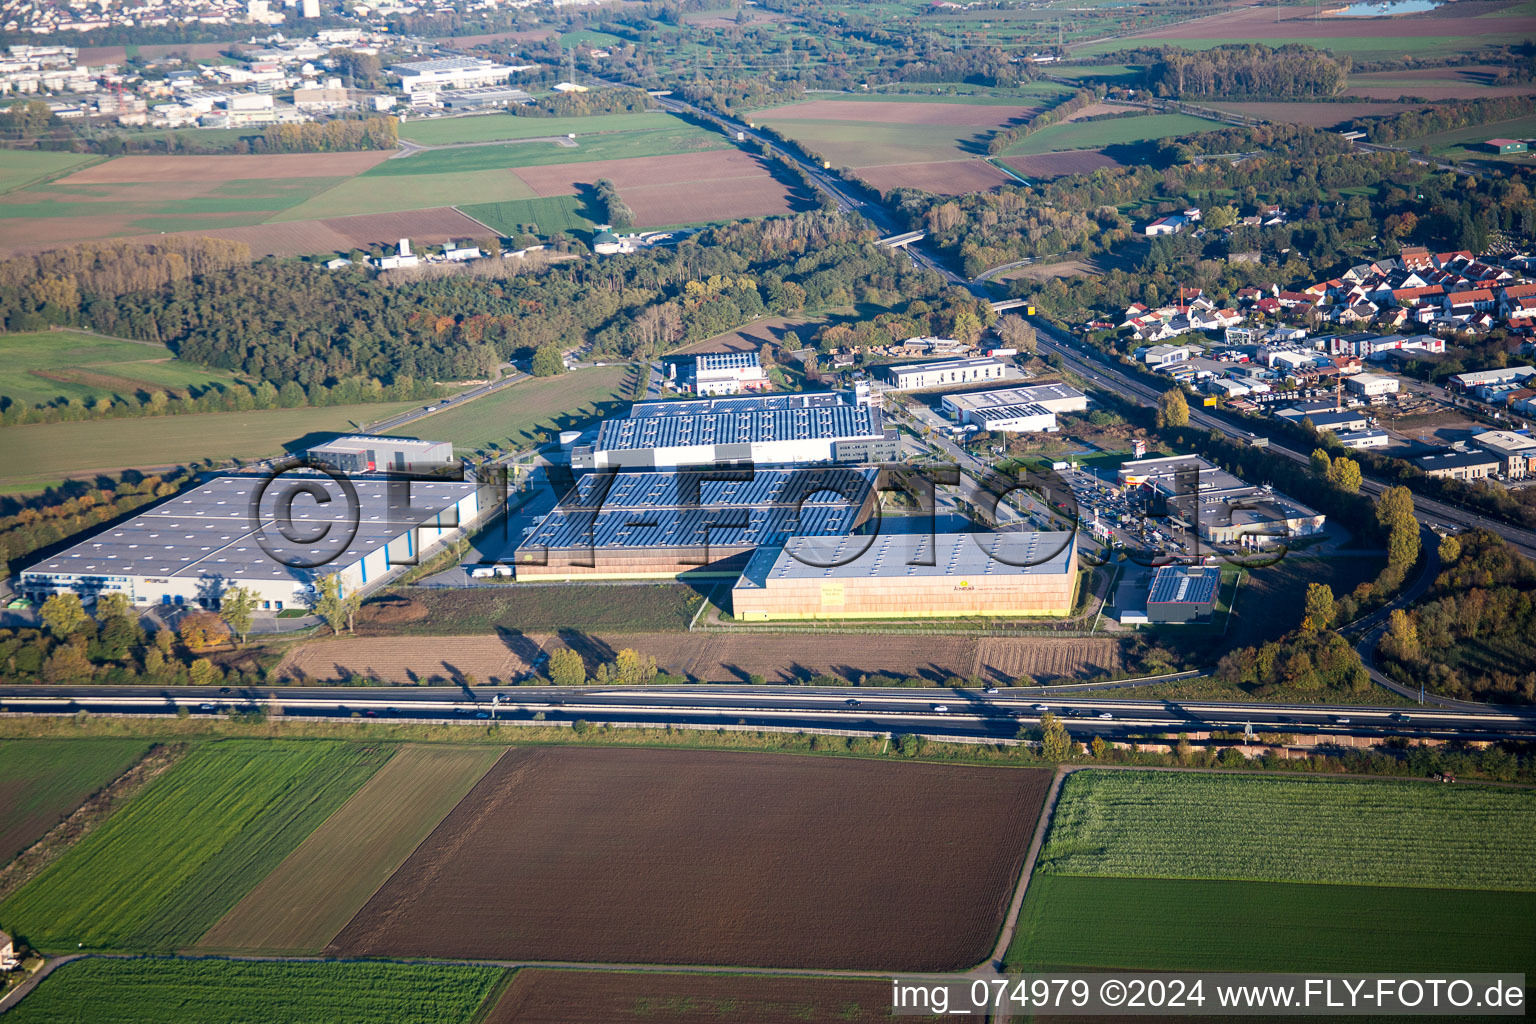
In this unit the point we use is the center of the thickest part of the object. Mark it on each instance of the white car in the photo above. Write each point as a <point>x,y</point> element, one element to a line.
<point>941,707</point>
<point>1040,707</point>
<point>1105,714</point>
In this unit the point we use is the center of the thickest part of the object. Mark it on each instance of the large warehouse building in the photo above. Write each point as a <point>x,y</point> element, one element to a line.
<point>763,430</point>
<point>862,577</point>
<point>191,548</point>
<point>664,524</point>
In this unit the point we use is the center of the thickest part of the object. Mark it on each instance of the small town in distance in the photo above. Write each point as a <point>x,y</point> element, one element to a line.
<point>703,511</point>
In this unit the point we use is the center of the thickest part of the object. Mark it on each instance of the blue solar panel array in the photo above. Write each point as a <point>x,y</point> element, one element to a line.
<point>1178,585</point>
<point>641,510</point>
<point>738,421</point>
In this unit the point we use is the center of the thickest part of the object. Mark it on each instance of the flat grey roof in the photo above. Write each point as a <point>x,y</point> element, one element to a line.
<point>1029,393</point>
<point>739,420</point>
<point>888,556</point>
<point>356,442</point>
<point>208,531</point>
<point>1458,460</point>
<point>646,509</point>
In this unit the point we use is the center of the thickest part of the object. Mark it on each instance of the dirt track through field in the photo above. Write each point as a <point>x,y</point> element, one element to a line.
<point>613,855</point>
<point>708,657</point>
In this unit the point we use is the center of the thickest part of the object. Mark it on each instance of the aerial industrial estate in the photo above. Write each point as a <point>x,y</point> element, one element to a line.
<point>622,513</point>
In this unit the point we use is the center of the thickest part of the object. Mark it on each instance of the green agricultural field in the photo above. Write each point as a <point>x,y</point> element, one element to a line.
<point>495,127</point>
<point>547,216</point>
<point>684,138</point>
<point>1460,143</point>
<point>612,608</point>
<point>42,781</point>
<point>872,144</point>
<point>162,870</point>
<point>21,167</point>
<point>1192,825</point>
<point>1071,923</point>
<point>589,37</point>
<point>1114,74</point>
<point>1116,131</point>
<point>356,196</point>
<point>39,455</point>
<point>152,991</point>
<point>39,368</point>
<point>511,416</point>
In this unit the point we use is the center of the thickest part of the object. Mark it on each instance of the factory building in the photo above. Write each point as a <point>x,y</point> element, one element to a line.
<point>1021,409</point>
<point>1221,509</point>
<point>763,430</point>
<point>1518,451</point>
<point>1371,385</point>
<point>366,453</point>
<point>946,373</point>
<point>441,73</point>
<point>1183,594</point>
<point>863,577</point>
<point>189,549</point>
<point>664,524</point>
<point>721,373</point>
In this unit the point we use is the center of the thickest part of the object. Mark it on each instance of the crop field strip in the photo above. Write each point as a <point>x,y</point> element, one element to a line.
<point>1161,824</point>
<point>1243,872</point>
<point>42,781</point>
<point>692,857</point>
<point>511,127</point>
<point>317,888</point>
<point>626,997</point>
<point>161,871</point>
<point>153,991</point>
<point>1084,922</point>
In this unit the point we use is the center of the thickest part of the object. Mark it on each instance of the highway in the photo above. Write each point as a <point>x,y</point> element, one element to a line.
<point>480,391</point>
<point>968,714</point>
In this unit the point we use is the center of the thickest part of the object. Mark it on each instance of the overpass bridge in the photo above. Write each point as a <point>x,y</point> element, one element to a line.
<point>903,240</point>
<point>1005,304</point>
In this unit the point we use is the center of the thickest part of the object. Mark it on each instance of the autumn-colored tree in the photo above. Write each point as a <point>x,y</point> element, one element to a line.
<point>202,630</point>
<point>63,614</point>
<point>1319,608</point>
<point>1172,409</point>
<point>566,668</point>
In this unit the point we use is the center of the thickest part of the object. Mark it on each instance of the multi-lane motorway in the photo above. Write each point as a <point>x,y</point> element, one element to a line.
<point>937,712</point>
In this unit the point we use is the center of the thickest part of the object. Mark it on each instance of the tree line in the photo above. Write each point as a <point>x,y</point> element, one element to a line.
<point>1444,117</point>
<point>1005,137</point>
<point>1250,71</point>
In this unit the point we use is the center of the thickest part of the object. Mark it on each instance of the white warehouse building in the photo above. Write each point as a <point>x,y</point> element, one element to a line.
<point>763,430</point>
<point>1369,385</point>
<point>449,73</point>
<point>1052,396</point>
<point>191,548</point>
<point>945,373</point>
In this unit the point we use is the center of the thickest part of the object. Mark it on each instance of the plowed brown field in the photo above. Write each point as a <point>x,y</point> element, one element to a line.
<point>343,234</point>
<point>612,997</point>
<point>941,177</point>
<point>702,857</point>
<point>678,169</point>
<point>1463,18</point>
<point>1054,165</point>
<point>710,657</point>
<point>717,199</point>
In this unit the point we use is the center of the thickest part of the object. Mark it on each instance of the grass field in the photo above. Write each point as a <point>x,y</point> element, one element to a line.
<point>38,455</point>
<point>494,127</point>
<point>546,216</point>
<point>314,892</point>
<point>42,781</point>
<point>1458,144</point>
<point>1188,825</point>
<point>862,144</point>
<point>20,168</point>
<point>356,196</point>
<point>1117,131</point>
<point>597,608</point>
<point>511,416</point>
<point>162,870</point>
<point>41,367</point>
<point>1378,47</point>
<point>1073,922</point>
<point>154,991</point>
<point>679,137</point>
